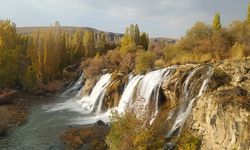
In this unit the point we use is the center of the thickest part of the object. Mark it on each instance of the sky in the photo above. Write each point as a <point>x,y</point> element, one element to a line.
<point>160,18</point>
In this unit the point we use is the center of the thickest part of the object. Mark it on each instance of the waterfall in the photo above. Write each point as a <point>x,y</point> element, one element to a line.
<point>144,90</point>
<point>192,89</point>
<point>74,89</point>
<point>149,87</point>
<point>93,102</point>
<point>126,99</point>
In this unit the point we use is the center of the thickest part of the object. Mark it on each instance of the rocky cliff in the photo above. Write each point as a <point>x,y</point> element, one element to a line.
<point>219,112</point>
<point>220,118</point>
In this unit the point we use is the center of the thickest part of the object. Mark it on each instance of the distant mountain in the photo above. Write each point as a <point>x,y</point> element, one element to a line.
<point>70,29</point>
<point>163,40</point>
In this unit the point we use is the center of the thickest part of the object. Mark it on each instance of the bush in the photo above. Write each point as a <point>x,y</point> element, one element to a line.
<point>130,131</point>
<point>238,51</point>
<point>187,141</point>
<point>94,67</point>
<point>145,62</point>
<point>160,63</point>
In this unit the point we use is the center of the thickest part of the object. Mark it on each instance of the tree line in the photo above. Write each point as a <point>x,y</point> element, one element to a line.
<point>31,61</point>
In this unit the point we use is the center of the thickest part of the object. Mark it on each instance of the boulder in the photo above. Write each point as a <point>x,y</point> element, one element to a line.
<point>86,137</point>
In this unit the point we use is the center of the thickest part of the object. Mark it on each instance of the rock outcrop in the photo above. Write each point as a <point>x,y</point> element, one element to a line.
<point>86,137</point>
<point>221,117</point>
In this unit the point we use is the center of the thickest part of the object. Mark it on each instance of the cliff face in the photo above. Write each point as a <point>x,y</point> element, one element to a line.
<point>221,117</point>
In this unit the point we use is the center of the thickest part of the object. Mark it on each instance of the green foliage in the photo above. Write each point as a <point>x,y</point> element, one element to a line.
<point>144,40</point>
<point>145,61</point>
<point>216,22</point>
<point>29,79</point>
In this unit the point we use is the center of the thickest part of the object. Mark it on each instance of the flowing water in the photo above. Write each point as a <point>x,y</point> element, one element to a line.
<point>127,96</point>
<point>193,88</point>
<point>48,120</point>
<point>93,102</point>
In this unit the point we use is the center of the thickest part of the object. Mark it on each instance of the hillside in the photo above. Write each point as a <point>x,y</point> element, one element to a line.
<point>70,29</point>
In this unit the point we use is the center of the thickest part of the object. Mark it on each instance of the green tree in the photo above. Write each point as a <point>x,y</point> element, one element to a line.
<point>217,22</point>
<point>248,13</point>
<point>144,40</point>
<point>136,34</point>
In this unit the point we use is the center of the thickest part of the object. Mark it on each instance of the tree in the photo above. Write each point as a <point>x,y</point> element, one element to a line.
<point>89,44</point>
<point>136,34</point>
<point>248,14</point>
<point>217,22</point>
<point>10,57</point>
<point>197,33</point>
<point>144,40</point>
<point>101,44</point>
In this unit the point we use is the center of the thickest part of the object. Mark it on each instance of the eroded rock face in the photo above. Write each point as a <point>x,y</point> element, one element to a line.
<point>221,117</point>
<point>89,84</point>
<point>172,86</point>
<point>114,90</point>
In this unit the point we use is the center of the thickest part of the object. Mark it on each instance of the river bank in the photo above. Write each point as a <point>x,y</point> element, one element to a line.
<point>14,111</point>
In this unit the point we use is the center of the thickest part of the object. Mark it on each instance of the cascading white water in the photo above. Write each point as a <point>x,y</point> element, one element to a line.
<point>93,102</point>
<point>187,99</point>
<point>146,90</point>
<point>74,89</point>
<point>126,99</point>
<point>150,84</point>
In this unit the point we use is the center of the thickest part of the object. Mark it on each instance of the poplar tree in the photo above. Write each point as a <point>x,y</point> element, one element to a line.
<point>248,14</point>
<point>101,43</point>
<point>89,43</point>
<point>136,34</point>
<point>217,22</point>
<point>144,40</point>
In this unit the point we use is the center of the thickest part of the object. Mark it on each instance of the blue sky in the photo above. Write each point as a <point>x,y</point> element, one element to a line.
<point>160,18</point>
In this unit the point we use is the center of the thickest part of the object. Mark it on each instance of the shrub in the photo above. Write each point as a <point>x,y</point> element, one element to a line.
<point>130,131</point>
<point>237,51</point>
<point>160,63</point>
<point>188,141</point>
<point>94,66</point>
<point>145,62</point>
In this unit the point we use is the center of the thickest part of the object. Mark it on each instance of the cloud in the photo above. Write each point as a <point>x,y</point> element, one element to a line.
<point>169,18</point>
